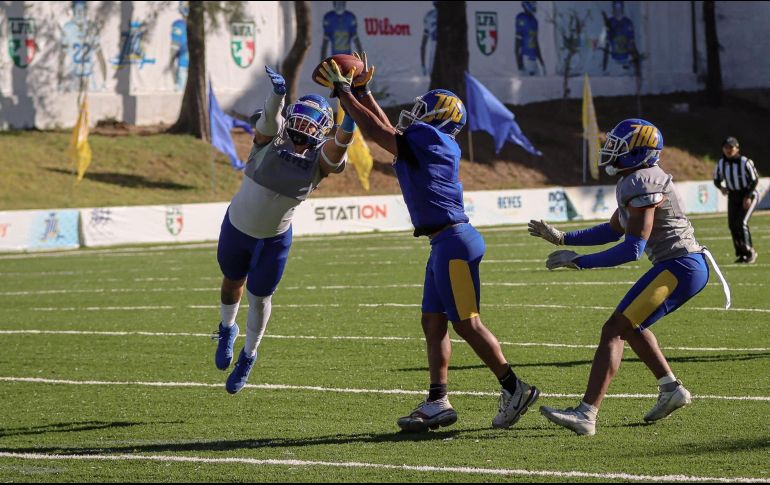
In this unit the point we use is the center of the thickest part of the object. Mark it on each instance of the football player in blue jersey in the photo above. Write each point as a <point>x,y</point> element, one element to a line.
<point>651,219</point>
<point>341,30</point>
<point>288,160</point>
<point>180,54</point>
<point>527,46</point>
<point>621,42</point>
<point>427,164</point>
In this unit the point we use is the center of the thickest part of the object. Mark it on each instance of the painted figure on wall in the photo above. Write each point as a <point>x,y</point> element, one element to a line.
<point>80,53</point>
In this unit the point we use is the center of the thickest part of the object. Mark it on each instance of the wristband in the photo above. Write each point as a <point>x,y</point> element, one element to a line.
<point>348,125</point>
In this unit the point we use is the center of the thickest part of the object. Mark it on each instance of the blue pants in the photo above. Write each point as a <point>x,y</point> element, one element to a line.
<point>452,284</point>
<point>663,289</point>
<point>262,261</point>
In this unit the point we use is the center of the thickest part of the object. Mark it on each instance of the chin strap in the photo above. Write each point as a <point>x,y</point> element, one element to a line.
<point>725,286</point>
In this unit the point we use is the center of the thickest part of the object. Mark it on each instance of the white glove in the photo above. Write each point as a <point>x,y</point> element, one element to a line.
<point>546,231</point>
<point>562,259</point>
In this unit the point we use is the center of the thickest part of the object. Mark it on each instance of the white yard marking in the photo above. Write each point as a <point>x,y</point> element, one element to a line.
<point>344,390</point>
<point>382,466</point>
<point>356,338</point>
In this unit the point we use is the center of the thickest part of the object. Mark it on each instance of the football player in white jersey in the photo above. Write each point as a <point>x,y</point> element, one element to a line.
<point>289,159</point>
<point>651,219</point>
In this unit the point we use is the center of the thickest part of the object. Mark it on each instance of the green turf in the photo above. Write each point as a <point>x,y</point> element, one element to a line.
<point>327,291</point>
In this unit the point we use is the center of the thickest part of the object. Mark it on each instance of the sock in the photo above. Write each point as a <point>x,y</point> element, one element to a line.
<point>256,321</point>
<point>228,314</point>
<point>588,409</point>
<point>437,391</point>
<point>508,381</point>
<point>668,383</point>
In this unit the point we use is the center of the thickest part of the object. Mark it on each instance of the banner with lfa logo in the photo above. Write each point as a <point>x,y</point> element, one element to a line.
<point>21,41</point>
<point>242,45</point>
<point>486,32</point>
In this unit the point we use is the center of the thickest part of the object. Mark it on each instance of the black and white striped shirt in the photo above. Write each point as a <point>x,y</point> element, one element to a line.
<point>737,174</point>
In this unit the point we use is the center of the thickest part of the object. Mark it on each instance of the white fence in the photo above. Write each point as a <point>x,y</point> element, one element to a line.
<point>111,226</point>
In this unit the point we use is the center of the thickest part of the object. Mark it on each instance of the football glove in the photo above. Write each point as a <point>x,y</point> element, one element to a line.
<point>562,259</point>
<point>331,73</point>
<point>361,86</point>
<point>279,83</point>
<point>546,231</point>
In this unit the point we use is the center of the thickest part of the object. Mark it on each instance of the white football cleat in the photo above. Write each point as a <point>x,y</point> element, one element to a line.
<point>513,406</point>
<point>429,415</point>
<point>578,421</point>
<point>668,402</point>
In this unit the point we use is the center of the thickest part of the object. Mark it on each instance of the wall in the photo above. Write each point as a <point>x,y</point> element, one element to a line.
<point>125,51</point>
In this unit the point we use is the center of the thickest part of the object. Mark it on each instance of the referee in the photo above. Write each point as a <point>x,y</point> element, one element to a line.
<point>737,178</point>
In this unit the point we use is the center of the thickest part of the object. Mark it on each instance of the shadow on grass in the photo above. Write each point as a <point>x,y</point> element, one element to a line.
<point>65,427</point>
<point>126,180</point>
<point>337,439</point>
<point>578,363</point>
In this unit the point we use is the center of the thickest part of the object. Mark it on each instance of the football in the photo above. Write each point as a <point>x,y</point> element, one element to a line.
<point>346,63</point>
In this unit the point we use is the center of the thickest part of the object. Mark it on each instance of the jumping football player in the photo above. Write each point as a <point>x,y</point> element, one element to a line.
<point>427,164</point>
<point>651,218</point>
<point>287,162</point>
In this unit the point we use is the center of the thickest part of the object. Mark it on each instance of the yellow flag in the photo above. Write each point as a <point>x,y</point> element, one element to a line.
<point>80,150</point>
<point>590,129</point>
<point>359,155</point>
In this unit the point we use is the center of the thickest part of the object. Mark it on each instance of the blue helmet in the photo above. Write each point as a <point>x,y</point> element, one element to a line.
<point>439,108</point>
<point>309,120</point>
<point>529,7</point>
<point>632,143</point>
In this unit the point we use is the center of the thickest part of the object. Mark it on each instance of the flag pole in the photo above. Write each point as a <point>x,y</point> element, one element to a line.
<point>585,158</point>
<point>470,144</point>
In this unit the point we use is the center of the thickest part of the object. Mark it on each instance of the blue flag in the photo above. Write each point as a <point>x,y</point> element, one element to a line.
<point>487,113</point>
<point>221,124</point>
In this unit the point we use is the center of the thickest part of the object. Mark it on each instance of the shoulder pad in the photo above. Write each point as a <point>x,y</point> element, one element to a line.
<point>646,200</point>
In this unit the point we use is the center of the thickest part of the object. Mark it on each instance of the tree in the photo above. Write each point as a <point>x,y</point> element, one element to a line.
<point>714,77</point>
<point>451,61</point>
<point>570,29</point>
<point>194,113</point>
<point>296,56</point>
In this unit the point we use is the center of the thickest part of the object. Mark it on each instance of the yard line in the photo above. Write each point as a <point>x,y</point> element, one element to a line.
<point>375,305</point>
<point>345,390</point>
<point>382,466</point>
<point>355,338</point>
<point>332,287</point>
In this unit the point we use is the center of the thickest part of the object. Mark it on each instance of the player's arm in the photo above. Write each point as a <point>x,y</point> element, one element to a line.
<point>268,124</point>
<point>370,124</point>
<point>333,151</point>
<point>638,229</point>
<point>363,93</point>
<point>593,236</point>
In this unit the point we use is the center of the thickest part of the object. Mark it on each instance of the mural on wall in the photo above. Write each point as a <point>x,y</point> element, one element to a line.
<point>180,55</point>
<point>133,47</point>
<point>598,38</point>
<point>527,45</point>
<point>242,43</point>
<point>428,44</point>
<point>22,46</point>
<point>486,32</point>
<point>340,29</point>
<point>81,53</point>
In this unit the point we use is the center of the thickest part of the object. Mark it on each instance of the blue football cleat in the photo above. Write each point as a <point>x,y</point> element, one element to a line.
<point>240,374</point>
<point>226,337</point>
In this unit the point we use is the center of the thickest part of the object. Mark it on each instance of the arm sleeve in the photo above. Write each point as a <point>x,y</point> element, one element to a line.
<point>270,120</point>
<point>753,176</point>
<point>631,249</point>
<point>593,236</point>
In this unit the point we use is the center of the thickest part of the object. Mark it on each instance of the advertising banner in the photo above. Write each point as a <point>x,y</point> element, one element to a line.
<point>39,230</point>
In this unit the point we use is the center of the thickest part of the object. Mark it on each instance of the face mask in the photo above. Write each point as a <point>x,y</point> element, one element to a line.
<point>299,138</point>
<point>611,171</point>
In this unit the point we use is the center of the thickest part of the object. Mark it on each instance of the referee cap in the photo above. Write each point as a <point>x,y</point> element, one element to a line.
<point>732,141</point>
